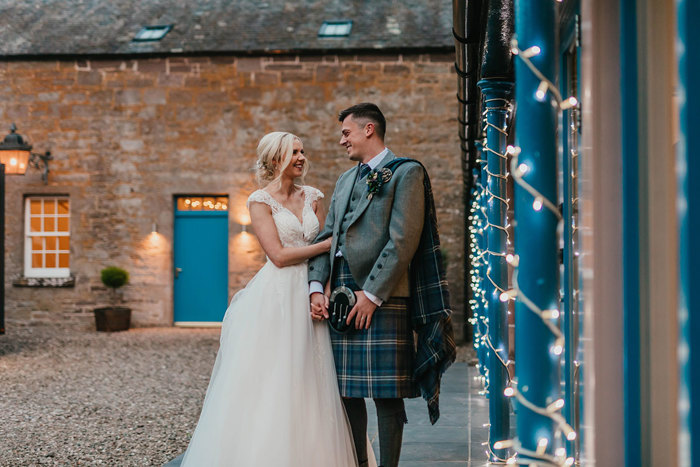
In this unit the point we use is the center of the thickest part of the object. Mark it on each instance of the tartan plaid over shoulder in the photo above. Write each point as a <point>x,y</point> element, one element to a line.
<point>430,305</point>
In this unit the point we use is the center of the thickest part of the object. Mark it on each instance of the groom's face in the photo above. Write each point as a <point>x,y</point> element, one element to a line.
<point>353,138</point>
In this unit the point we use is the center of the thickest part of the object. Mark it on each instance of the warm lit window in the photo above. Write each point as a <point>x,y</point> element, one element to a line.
<point>200,203</point>
<point>47,237</point>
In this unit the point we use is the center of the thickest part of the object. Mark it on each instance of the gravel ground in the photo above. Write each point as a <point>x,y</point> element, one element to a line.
<point>71,397</point>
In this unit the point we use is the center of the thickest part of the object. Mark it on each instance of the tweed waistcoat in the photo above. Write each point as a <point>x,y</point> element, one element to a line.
<point>358,191</point>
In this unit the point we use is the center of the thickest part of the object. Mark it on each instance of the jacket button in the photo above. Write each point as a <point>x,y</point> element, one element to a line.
<point>379,266</point>
<point>371,278</point>
<point>311,268</point>
<point>384,255</point>
<point>354,198</point>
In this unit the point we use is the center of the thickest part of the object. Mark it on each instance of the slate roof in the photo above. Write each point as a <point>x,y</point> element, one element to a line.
<point>106,27</point>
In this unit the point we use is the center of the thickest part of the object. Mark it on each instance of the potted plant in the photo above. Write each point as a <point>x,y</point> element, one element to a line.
<point>113,318</point>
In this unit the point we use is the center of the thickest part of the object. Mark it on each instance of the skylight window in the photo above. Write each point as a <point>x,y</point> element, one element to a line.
<point>335,29</point>
<point>152,33</point>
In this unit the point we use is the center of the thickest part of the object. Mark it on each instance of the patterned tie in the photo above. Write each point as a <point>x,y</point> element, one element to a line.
<point>364,170</point>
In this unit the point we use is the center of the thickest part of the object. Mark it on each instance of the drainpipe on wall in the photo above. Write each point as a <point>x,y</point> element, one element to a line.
<point>467,32</point>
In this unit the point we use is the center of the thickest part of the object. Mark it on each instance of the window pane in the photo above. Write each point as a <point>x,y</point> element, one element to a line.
<point>49,206</point>
<point>63,260</point>
<point>222,204</point>
<point>49,224</point>
<point>63,206</point>
<point>50,260</point>
<point>63,243</point>
<point>62,224</point>
<point>35,206</point>
<point>50,243</point>
<point>35,224</point>
<point>196,204</point>
<point>36,260</point>
<point>208,204</point>
<point>37,243</point>
<point>182,204</point>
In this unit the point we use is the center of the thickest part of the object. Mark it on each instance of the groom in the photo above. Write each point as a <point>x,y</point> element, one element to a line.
<point>376,234</point>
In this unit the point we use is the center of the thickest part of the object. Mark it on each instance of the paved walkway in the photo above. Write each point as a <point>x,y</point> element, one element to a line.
<point>455,440</point>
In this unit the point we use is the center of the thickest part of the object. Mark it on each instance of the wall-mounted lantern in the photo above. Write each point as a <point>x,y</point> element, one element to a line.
<point>15,156</point>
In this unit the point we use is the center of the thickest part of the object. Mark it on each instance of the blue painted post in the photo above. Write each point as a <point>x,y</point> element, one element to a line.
<point>629,97</point>
<point>688,170</point>
<point>537,365</point>
<point>496,98</point>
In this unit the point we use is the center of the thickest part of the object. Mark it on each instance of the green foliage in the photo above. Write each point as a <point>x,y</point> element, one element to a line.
<point>114,277</point>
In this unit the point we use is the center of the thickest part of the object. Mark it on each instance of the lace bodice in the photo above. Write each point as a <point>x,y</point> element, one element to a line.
<point>292,233</point>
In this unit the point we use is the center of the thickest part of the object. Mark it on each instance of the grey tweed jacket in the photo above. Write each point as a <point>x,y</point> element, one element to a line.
<point>383,234</point>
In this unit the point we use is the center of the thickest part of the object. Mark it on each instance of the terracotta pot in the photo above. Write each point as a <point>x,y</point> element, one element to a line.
<point>112,318</point>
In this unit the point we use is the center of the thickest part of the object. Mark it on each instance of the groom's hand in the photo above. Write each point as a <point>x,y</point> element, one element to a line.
<point>362,311</point>
<point>319,306</point>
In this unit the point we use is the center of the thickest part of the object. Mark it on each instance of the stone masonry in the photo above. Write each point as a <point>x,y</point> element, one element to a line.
<point>128,135</point>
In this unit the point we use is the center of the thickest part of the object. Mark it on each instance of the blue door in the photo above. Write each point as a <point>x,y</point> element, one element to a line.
<point>200,260</point>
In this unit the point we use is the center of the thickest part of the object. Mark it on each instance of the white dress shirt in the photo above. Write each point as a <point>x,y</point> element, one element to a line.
<point>316,286</point>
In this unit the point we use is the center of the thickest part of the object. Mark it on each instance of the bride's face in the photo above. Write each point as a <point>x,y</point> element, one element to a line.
<point>295,169</point>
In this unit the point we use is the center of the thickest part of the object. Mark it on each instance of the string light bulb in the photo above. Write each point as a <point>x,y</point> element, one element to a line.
<point>569,103</point>
<point>531,52</point>
<point>550,314</point>
<point>537,204</point>
<point>541,92</point>
<point>504,444</point>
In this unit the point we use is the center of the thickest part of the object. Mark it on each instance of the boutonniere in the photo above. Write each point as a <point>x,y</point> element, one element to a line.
<point>375,179</point>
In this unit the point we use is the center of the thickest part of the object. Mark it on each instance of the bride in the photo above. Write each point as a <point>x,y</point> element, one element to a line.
<point>273,398</point>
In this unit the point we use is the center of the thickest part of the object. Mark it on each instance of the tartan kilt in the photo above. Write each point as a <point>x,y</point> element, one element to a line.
<point>375,362</point>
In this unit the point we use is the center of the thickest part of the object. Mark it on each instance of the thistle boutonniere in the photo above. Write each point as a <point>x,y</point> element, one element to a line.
<point>375,179</point>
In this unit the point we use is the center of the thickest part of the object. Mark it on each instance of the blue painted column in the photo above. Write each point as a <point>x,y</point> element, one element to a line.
<point>629,87</point>
<point>688,171</point>
<point>496,98</point>
<point>537,362</point>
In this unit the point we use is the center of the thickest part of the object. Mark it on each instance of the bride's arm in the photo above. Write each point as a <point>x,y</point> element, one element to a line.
<point>320,214</point>
<point>266,231</point>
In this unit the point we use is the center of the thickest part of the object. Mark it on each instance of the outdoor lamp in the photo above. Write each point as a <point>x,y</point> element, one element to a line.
<point>17,155</point>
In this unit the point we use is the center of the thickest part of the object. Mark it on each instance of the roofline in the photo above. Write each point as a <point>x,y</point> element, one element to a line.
<point>234,53</point>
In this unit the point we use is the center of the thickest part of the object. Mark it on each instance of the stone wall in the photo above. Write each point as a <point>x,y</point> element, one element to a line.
<point>127,135</point>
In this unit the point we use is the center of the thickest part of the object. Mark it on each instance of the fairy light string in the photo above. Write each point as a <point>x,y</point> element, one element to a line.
<point>496,182</point>
<point>478,301</point>
<point>550,318</point>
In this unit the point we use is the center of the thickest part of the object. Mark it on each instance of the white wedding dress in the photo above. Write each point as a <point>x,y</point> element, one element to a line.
<point>273,398</point>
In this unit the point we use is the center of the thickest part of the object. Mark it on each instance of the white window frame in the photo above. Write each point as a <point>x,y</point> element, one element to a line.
<point>29,271</point>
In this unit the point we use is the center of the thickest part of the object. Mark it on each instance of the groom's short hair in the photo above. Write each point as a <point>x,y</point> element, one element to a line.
<point>366,111</point>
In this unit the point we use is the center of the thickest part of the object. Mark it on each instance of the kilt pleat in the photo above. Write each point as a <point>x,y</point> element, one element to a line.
<point>375,362</point>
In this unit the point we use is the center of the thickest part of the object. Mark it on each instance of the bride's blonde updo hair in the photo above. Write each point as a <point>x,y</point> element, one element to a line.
<point>274,155</point>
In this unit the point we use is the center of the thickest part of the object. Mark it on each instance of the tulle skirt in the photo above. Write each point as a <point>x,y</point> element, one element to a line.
<point>273,397</point>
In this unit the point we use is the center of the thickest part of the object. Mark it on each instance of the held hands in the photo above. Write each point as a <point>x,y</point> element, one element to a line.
<point>364,309</point>
<point>319,306</point>
<point>326,244</point>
